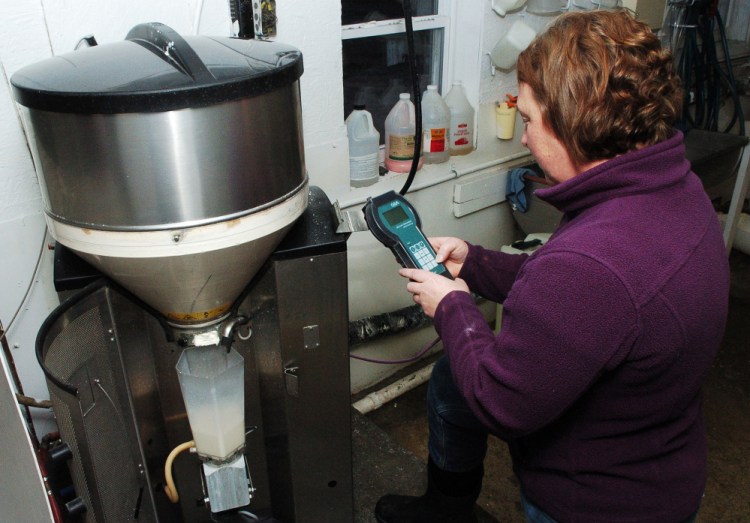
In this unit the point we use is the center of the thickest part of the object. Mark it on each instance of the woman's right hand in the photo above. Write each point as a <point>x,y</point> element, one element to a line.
<point>451,252</point>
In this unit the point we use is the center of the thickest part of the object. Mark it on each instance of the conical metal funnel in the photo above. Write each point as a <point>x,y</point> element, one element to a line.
<point>192,276</point>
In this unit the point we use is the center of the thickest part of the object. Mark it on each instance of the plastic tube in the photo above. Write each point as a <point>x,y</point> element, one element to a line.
<point>169,489</point>
<point>377,399</point>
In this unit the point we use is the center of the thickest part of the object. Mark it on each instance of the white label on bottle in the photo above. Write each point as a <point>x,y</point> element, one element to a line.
<point>460,135</point>
<point>363,167</point>
<point>401,147</point>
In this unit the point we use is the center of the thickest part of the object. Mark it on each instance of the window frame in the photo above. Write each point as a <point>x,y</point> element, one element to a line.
<point>442,20</point>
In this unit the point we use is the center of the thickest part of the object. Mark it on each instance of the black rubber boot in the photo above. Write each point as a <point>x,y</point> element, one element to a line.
<point>450,498</point>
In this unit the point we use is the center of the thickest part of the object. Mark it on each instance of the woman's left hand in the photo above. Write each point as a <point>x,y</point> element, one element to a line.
<point>428,288</point>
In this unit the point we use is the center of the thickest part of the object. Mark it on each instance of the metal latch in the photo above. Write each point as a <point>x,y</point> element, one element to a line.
<point>291,380</point>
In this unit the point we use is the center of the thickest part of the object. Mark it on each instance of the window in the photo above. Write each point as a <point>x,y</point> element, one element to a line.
<point>375,52</point>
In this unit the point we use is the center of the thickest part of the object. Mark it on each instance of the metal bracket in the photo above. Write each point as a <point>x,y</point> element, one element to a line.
<point>311,337</point>
<point>349,221</point>
<point>291,380</point>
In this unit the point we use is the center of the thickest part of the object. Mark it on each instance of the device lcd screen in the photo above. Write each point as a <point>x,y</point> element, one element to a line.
<point>395,216</point>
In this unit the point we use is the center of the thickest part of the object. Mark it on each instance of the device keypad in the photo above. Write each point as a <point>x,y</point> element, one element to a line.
<point>423,256</point>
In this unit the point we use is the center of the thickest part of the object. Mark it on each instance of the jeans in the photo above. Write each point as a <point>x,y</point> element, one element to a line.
<point>458,440</point>
<point>535,515</point>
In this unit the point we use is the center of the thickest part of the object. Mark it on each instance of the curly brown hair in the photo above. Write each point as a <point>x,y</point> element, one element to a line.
<point>603,82</point>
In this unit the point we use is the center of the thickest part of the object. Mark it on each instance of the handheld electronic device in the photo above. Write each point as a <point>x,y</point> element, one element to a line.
<point>393,221</point>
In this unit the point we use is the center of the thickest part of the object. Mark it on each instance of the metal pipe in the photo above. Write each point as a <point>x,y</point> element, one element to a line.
<point>27,401</point>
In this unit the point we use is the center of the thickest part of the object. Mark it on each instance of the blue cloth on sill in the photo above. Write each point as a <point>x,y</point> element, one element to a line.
<point>514,189</point>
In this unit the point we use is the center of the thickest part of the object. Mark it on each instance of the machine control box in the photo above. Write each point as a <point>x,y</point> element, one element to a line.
<point>396,224</point>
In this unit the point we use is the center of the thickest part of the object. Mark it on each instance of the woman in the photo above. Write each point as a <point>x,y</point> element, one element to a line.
<point>610,328</point>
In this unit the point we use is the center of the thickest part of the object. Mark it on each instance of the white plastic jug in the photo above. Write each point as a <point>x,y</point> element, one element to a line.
<point>506,50</point>
<point>462,121</point>
<point>501,7</point>
<point>544,7</point>
<point>436,118</point>
<point>400,130</point>
<point>364,148</point>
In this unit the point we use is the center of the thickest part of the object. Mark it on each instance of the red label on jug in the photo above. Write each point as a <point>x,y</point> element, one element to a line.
<point>435,140</point>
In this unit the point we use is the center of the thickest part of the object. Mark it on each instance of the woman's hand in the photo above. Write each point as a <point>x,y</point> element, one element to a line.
<point>428,288</point>
<point>451,252</point>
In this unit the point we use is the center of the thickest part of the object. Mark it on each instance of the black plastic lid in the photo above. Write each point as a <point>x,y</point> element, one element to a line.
<point>155,69</point>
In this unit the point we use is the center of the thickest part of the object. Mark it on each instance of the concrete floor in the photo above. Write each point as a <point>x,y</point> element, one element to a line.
<point>390,444</point>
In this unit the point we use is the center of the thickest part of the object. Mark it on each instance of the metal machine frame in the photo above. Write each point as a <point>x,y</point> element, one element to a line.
<point>128,412</point>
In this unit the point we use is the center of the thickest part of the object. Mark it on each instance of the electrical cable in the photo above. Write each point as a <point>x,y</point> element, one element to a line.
<point>47,324</point>
<point>704,79</point>
<point>25,401</point>
<point>410,359</point>
<point>67,304</point>
<point>738,113</point>
<point>170,489</point>
<point>198,16</point>
<point>4,75</point>
<point>4,333</point>
<point>416,95</point>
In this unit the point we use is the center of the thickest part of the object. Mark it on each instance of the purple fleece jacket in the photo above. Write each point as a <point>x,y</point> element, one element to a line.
<point>608,332</point>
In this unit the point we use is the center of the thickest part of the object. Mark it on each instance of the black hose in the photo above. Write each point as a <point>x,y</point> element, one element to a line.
<point>416,95</point>
<point>738,113</point>
<point>702,74</point>
<point>61,309</point>
<point>386,324</point>
<point>51,320</point>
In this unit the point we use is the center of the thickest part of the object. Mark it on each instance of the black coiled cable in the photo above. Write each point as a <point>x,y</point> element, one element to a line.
<point>703,75</point>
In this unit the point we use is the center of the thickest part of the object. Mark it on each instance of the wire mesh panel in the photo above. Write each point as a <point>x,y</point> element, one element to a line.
<point>82,352</point>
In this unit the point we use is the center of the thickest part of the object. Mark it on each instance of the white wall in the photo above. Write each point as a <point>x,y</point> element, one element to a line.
<point>34,30</point>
